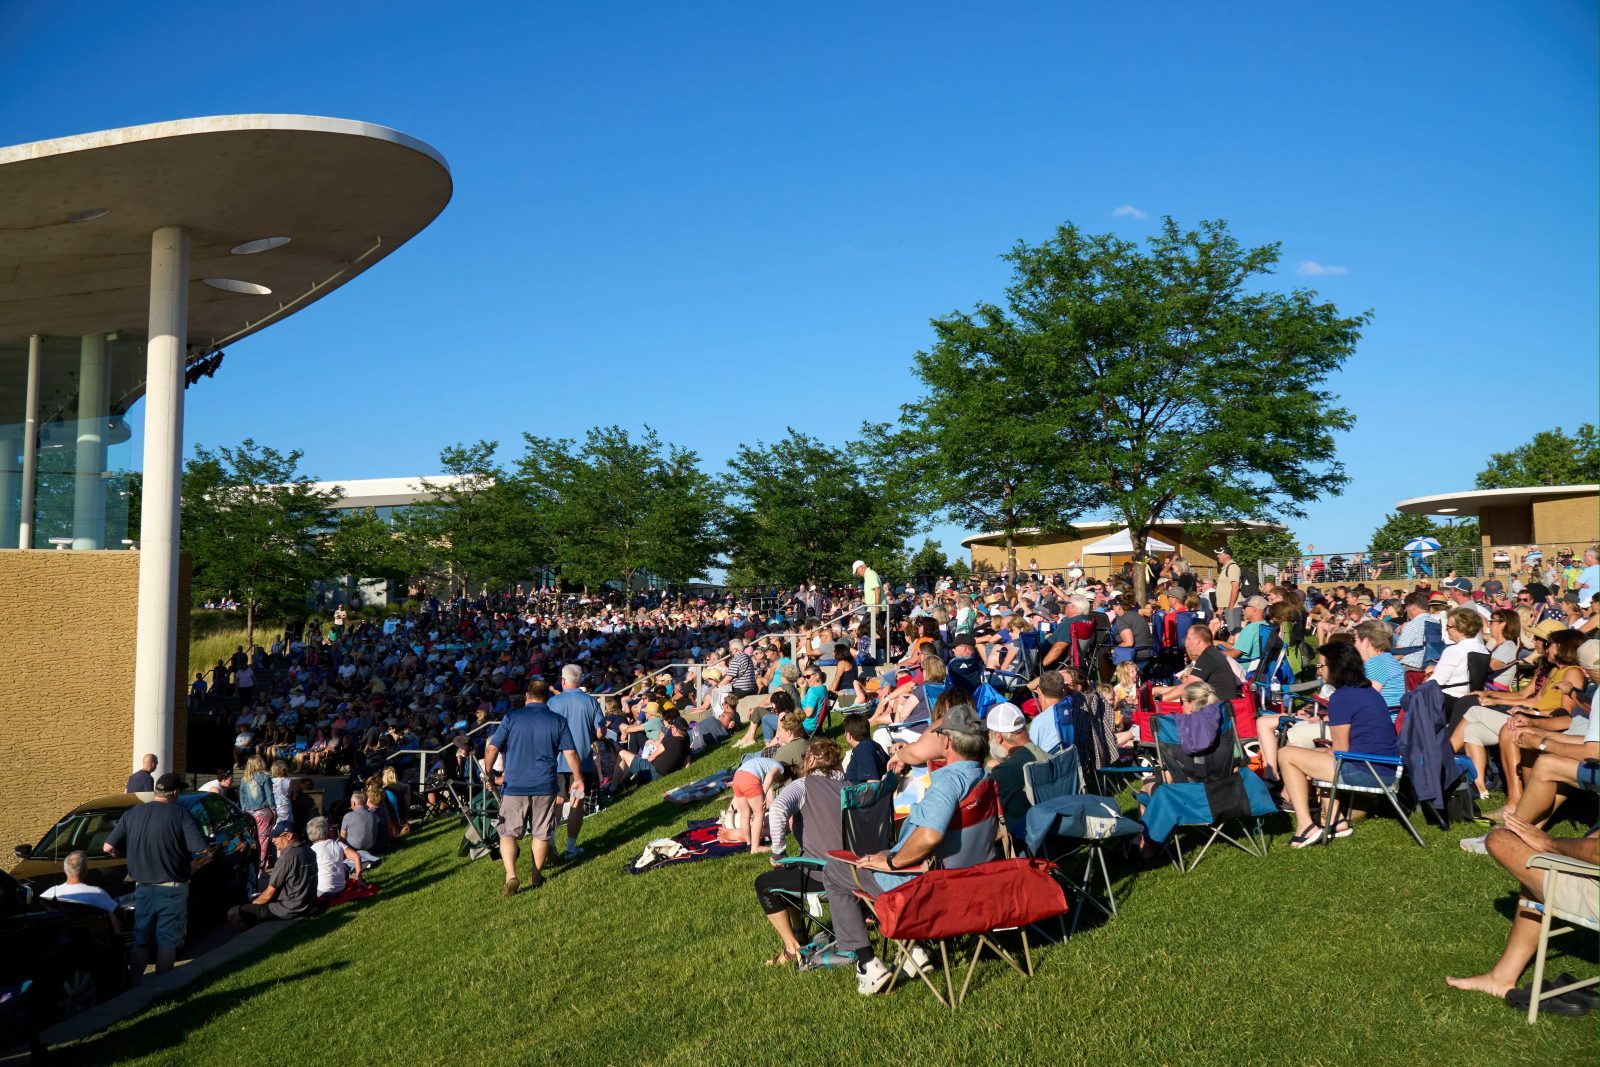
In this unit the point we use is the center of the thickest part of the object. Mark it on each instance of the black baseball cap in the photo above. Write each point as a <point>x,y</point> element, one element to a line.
<point>169,783</point>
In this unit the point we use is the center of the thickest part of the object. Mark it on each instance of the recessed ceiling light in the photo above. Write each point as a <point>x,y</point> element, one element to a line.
<point>1447,511</point>
<point>264,244</point>
<point>88,214</point>
<point>233,285</point>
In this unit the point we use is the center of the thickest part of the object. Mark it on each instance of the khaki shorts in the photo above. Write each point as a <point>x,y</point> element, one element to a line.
<point>1306,733</point>
<point>1483,726</point>
<point>1575,896</point>
<point>747,707</point>
<point>518,813</point>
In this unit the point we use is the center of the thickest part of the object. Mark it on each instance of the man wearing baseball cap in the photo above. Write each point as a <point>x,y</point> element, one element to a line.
<point>160,840</point>
<point>1009,745</point>
<point>292,891</point>
<point>1228,579</point>
<point>937,828</point>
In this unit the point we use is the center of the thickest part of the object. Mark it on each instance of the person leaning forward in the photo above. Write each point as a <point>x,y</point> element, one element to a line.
<point>532,738</point>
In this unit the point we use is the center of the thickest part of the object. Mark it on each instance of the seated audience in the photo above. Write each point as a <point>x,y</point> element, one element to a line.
<point>816,796</point>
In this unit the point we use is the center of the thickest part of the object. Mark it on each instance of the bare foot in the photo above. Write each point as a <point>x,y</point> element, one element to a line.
<point>1499,815</point>
<point>1483,983</point>
<point>757,849</point>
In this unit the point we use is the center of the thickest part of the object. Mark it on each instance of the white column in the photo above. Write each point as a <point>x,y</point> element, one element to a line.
<point>155,670</point>
<point>10,479</point>
<point>30,444</point>
<point>89,483</point>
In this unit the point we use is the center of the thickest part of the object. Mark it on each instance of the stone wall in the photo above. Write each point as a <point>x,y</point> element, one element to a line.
<point>1566,519</point>
<point>67,636</point>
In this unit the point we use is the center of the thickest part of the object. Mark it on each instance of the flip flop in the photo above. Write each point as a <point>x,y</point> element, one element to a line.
<point>1568,1009</point>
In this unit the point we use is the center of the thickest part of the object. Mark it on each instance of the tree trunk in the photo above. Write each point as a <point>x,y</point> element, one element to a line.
<point>249,622</point>
<point>1139,536</point>
<point>1011,564</point>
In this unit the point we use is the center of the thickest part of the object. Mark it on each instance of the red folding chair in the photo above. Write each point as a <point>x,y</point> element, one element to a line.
<point>978,902</point>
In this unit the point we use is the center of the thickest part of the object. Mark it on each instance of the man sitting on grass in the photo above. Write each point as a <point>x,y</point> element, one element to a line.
<point>292,892</point>
<point>1512,847</point>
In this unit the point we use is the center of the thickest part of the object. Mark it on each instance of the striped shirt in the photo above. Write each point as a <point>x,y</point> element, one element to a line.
<point>1390,674</point>
<point>1412,635</point>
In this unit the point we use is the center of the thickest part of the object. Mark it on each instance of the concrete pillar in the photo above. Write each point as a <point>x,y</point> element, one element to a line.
<point>30,443</point>
<point>10,483</point>
<point>155,668</point>
<point>89,483</point>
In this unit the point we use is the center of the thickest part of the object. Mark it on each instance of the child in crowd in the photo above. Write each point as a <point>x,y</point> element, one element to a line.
<point>754,783</point>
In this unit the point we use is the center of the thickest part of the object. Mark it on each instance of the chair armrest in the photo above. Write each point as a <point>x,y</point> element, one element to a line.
<point>801,861</point>
<point>1362,757</point>
<point>1552,861</point>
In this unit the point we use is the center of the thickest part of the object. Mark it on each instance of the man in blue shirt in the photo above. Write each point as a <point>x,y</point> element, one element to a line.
<point>582,714</point>
<point>1045,730</point>
<point>530,738</point>
<point>938,828</point>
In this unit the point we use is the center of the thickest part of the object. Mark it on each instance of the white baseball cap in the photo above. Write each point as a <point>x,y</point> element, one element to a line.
<point>1005,718</point>
<point>858,564</point>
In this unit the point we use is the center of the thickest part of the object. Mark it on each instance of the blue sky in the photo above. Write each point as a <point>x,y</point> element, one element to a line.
<point>724,219</point>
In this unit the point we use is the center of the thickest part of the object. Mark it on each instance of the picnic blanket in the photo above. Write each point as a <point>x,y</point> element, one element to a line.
<point>698,842</point>
<point>352,890</point>
<point>703,789</point>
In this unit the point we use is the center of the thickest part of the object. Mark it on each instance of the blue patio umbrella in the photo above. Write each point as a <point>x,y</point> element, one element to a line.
<point>1422,544</point>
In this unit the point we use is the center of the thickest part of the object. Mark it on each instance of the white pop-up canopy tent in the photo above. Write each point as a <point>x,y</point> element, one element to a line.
<point>1121,544</point>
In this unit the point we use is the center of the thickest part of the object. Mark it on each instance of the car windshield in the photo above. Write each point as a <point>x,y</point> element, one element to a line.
<point>86,830</point>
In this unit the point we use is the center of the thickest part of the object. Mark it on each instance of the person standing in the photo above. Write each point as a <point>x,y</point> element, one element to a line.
<point>159,840</point>
<point>143,780</point>
<point>1228,577</point>
<point>531,738</point>
<point>582,714</point>
<point>871,596</point>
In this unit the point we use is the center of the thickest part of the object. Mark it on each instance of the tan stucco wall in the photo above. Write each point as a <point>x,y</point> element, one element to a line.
<point>67,622</point>
<point>1566,519</point>
<point>1054,552</point>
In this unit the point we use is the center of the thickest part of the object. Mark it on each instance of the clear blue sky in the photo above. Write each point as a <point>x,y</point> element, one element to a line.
<point>723,219</point>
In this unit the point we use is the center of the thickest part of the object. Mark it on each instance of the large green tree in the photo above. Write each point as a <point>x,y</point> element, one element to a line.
<point>364,546</point>
<point>1399,527</point>
<point>619,506</point>
<point>1250,547</point>
<point>801,511</point>
<point>1551,458</point>
<point>254,527</point>
<point>477,527</point>
<point>1135,383</point>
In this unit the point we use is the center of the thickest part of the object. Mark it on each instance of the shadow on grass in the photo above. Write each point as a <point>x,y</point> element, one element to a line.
<point>159,1030</point>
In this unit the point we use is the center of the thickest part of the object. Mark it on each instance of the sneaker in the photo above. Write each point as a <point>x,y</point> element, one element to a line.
<point>509,889</point>
<point>916,963</point>
<point>872,977</point>
<point>572,852</point>
<point>1479,845</point>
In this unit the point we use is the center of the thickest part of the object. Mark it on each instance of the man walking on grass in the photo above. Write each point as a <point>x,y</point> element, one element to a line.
<point>582,714</point>
<point>531,738</point>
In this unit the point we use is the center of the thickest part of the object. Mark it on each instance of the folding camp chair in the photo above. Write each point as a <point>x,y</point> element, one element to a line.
<point>1199,774</point>
<point>1055,789</point>
<point>978,902</point>
<point>867,812</point>
<point>1558,869</point>
<point>1359,772</point>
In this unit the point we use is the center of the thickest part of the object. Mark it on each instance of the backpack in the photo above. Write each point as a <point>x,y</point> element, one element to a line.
<point>1249,584</point>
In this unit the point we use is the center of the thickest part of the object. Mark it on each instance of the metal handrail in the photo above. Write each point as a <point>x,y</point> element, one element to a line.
<point>422,769</point>
<point>658,672</point>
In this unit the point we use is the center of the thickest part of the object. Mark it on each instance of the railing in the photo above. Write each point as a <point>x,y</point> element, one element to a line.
<point>1474,562</point>
<point>658,672</point>
<point>425,753</point>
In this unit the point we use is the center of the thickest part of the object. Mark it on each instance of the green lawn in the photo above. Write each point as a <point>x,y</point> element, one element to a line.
<point>1333,955</point>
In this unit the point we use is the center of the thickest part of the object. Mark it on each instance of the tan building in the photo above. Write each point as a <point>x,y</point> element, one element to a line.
<point>1057,551</point>
<point>1538,515</point>
<point>132,257</point>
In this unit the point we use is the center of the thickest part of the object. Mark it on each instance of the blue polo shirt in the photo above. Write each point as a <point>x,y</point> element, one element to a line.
<point>582,714</point>
<point>532,738</point>
<point>946,789</point>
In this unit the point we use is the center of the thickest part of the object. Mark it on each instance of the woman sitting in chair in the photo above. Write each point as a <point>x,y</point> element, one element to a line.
<point>1358,721</point>
<point>815,795</point>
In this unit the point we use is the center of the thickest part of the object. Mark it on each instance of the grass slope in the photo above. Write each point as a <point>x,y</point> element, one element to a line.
<point>1333,955</point>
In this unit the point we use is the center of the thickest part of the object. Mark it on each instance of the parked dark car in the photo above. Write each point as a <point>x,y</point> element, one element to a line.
<point>71,952</point>
<point>223,874</point>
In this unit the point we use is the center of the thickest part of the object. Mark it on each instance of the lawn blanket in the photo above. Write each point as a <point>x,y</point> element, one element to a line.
<point>703,789</point>
<point>698,842</point>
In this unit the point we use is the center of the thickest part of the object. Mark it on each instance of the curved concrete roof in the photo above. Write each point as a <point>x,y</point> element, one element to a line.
<point>345,193</point>
<point>1084,529</point>
<point>1469,503</point>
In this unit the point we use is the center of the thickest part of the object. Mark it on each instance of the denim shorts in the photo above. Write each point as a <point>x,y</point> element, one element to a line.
<point>162,910</point>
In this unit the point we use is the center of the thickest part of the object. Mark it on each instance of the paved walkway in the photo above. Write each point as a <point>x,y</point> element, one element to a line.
<point>157,987</point>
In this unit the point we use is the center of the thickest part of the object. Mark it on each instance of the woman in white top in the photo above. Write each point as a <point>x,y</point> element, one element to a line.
<point>1462,627</point>
<point>331,854</point>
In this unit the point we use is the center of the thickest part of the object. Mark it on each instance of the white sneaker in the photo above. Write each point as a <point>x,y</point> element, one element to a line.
<point>916,963</point>
<point>1479,845</point>
<point>872,977</point>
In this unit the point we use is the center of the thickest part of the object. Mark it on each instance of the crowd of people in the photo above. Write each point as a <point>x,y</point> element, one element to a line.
<point>559,702</point>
